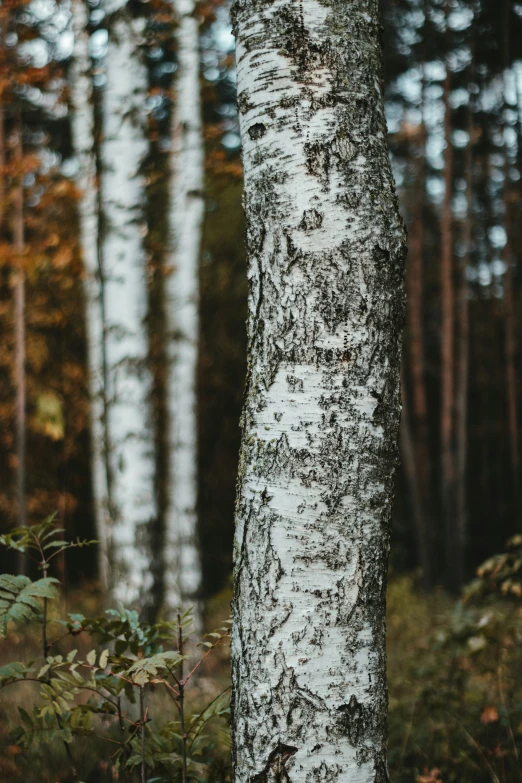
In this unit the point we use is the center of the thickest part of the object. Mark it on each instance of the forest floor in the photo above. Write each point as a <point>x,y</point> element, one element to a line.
<point>455,697</point>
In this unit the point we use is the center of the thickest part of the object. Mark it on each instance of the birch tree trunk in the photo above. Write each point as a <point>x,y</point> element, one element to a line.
<point>81,97</point>
<point>320,425</point>
<point>182,557</point>
<point>129,380</point>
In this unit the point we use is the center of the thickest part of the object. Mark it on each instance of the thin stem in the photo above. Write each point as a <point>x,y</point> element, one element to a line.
<point>494,776</point>
<point>198,664</point>
<point>122,730</point>
<point>204,723</point>
<point>142,732</point>
<point>510,728</point>
<point>182,704</point>
<point>206,710</point>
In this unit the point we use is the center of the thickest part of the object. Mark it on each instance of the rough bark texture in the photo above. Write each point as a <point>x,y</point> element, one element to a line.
<point>181,552</point>
<point>129,381</point>
<point>83,139</point>
<point>320,424</point>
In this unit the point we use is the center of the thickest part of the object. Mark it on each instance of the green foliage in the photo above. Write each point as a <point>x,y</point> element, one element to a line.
<point>20,599</point>
<point>111,678</point>
<point>455,688</point>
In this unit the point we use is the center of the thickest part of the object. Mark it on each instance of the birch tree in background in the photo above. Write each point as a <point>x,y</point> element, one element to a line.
<point>83,135</point>
<point>181,553</point>
<point>129,383</point>
<point>326,248</point>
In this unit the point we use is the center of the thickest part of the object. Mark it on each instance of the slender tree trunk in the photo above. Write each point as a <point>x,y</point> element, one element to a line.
<point>420,444</point>
<point>129,382</point>
<point>19,312</point>
<point>2,158</point>
<point>462,374</point>
<point>181,552</point>
<point>448,348</point>
<point>83,136</point>
<point>320,424</point>
<point>510,353</point>
<point>509,310</point>
<point>411,469</point>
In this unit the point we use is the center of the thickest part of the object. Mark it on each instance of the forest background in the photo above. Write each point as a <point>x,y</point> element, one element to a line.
<point>453,78</point>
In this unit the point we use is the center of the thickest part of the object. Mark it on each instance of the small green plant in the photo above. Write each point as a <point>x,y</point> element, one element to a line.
<point>104,678</point>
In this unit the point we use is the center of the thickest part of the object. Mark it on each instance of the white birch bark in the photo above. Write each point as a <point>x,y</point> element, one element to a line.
<point>182,556</point>
<point>326,251</point>
<point>129,381</point>
<point>83,140</point>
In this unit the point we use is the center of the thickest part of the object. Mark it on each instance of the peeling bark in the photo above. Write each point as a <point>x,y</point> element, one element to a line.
<point>83,139</point>
<point>320,424</point>
<point>129,379</point>
<point>182,568</point>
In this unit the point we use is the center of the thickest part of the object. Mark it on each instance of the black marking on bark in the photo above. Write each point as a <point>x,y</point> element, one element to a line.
<point>312,219</point>
<point>257,131</point>
<point>351,718</point>
<point>275,768</point>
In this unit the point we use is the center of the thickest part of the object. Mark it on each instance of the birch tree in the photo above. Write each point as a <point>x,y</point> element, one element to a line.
<point>320,423</point>
<point>128,377</point>
<point>83,138</point>
<point>181,553</point>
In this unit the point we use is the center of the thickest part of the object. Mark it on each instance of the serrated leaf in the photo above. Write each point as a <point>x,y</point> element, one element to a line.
<point>91,657</point>
<point>55,544</point>
<point>43,670</point>
<point>104,657</point>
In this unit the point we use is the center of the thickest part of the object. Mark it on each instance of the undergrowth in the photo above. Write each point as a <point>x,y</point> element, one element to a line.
<point>102,698</point>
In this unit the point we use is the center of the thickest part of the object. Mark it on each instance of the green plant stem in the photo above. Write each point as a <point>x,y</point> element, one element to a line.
<point>472,741</point>
<point>142,732</point>
<point>123,741</point>
<point>204,722</point>
<point>45,650</point>
<point>182,705</point>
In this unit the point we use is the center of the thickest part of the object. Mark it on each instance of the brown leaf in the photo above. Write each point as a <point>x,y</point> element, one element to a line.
<point>489,715</point>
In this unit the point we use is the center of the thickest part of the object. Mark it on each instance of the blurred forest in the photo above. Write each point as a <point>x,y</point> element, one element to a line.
<point>121,394</point>
<point>453,75</point>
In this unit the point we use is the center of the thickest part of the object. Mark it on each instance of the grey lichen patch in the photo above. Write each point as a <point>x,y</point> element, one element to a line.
<point>244,103</point>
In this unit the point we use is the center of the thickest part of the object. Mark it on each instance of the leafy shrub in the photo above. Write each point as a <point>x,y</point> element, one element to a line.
<point>455,684</point>
<point>120,684</point>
